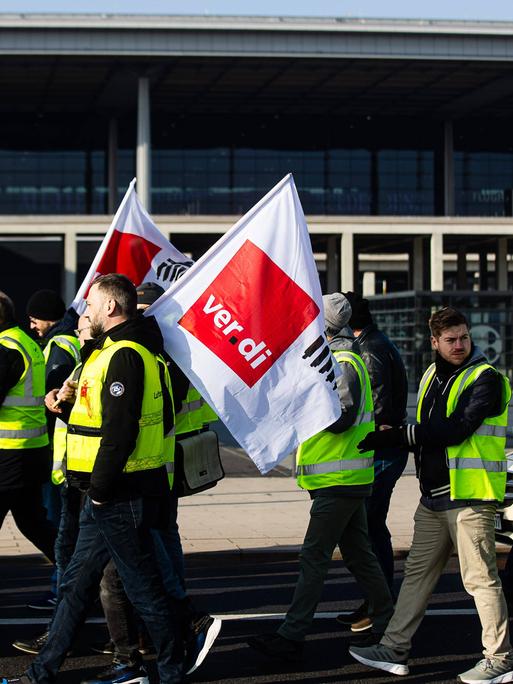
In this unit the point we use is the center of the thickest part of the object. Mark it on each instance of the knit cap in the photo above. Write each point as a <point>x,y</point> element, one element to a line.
<point>337,312</point>
<point>147,293</point>
<point>361,316</point>
<point>46,305</point>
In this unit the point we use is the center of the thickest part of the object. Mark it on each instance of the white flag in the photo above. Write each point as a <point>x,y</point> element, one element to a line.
<point>135,247</point>
<point>245,324</point>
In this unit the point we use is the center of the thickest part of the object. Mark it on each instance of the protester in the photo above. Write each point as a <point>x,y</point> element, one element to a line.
<point>54,326</point>
<point>459,442</point>
<point>24,453</point>
<point>390,395</point>
<point>115,452</point>
<point>198,629</point>
<point>72,499</point>
<point>338,480</point>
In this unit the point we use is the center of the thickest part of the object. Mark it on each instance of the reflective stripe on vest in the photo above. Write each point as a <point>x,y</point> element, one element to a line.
<point>329,459</point>
<point>68,343</point>
<point>333,466</point>
<point>190,416</point>
<point>85,423</point>
<point>22,413</point>
<point>169,438</point>
<point>477,466</point>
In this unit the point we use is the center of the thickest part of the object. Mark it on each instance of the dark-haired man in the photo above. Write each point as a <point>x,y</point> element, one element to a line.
<point>459,441</point>
<point>115,452</point>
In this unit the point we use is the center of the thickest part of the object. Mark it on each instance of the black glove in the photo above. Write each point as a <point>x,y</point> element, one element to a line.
<point>383,439</point>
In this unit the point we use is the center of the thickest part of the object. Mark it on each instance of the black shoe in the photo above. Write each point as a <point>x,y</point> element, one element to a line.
<point>349,619</point>
<point>367,639</point>
<point>22,679</point>
<point>33,646</point>
<point>120,673</point>
<point>276,646</point>
<point>204,631</point>
<point>47,603</point>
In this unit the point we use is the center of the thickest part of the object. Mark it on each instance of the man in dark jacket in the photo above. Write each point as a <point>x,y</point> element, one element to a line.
<point>390,394</point>
<point>121,410</point>
<point>459,442</point>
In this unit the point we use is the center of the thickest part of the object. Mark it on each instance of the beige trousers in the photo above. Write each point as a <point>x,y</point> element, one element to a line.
<point>470,531</point>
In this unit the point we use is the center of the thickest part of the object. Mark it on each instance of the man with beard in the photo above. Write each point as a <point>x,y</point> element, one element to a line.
<point>115,452</point>
<point>459,440</point>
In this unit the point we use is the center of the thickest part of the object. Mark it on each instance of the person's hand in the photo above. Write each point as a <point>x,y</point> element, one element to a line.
<point>382,439</point>
<point>68,391</point>
<point>51,401</point>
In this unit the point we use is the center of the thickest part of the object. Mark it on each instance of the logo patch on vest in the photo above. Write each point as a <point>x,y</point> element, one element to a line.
<point>117,389</point>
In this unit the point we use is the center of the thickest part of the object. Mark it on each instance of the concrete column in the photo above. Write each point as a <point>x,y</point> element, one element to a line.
<point>143,160</point>
<point>70,266</point>
<point>347,262</point>
<point>369,283</point>
<point>461,276</point>
<point>448,169</point>
<point>332,267</point>
<point>501,264</point>
<point>437,262</point>
<point>112,166</point>
<point>417,264</point>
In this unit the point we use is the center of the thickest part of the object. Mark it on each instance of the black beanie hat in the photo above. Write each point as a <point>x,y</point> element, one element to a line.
<point>361,316</point>
<point>147,293</point>
<point>46,305</point>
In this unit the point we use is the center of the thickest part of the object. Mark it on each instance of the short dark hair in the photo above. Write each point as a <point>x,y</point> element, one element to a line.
<point>121,289</point>
<point>6,308</point>
<point>446,318</point>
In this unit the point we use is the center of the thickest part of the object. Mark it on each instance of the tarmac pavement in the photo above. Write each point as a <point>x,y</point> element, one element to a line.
<point>246,513</point>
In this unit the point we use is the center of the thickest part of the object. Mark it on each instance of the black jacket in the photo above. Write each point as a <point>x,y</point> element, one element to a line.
<point>436,431</point>
<point>18,467</point>
<point>120,417</point>
<point>387,375</point>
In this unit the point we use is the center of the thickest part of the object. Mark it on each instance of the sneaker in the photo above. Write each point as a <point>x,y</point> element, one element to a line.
<point>491,670</point>
<point>276,646</point>
<point>204,632</point>
<point>120,673</point>
<point>22,679</point>
<point>47,603</point>
<point>363,625</point>
<point>382,658</point>
<point>34,646</point>
<point>348,619</point>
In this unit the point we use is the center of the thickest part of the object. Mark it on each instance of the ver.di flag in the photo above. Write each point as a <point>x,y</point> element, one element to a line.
<point>135,247</point>
<point>245,324</point>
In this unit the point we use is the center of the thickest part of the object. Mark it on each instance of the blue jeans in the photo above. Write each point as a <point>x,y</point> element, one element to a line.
<point>388,467</point>
<point>119,530</point>
<point>71,502</point>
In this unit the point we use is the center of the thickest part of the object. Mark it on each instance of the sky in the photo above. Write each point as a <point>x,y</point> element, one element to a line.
<point>496,10</point>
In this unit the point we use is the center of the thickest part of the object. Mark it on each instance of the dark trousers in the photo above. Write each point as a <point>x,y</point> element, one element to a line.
<point>388,467</point>
<point>119,530</point>
<point>71,504</point>
<point>26,506</point>
<point>121,621</point>
<point>342,521</point>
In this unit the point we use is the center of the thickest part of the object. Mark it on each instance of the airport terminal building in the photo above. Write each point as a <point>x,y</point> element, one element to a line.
<point>398,134</point>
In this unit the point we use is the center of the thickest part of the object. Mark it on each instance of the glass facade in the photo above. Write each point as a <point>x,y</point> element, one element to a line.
<point>383,168</point>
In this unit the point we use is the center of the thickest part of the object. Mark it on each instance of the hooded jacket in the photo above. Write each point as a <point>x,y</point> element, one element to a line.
<point>121,414</point>
<point>437,431</point>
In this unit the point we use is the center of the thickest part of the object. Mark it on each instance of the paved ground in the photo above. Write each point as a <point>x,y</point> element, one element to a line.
<point>247,513</point>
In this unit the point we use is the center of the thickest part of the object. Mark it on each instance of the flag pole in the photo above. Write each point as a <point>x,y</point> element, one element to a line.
<point>92,269</point>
